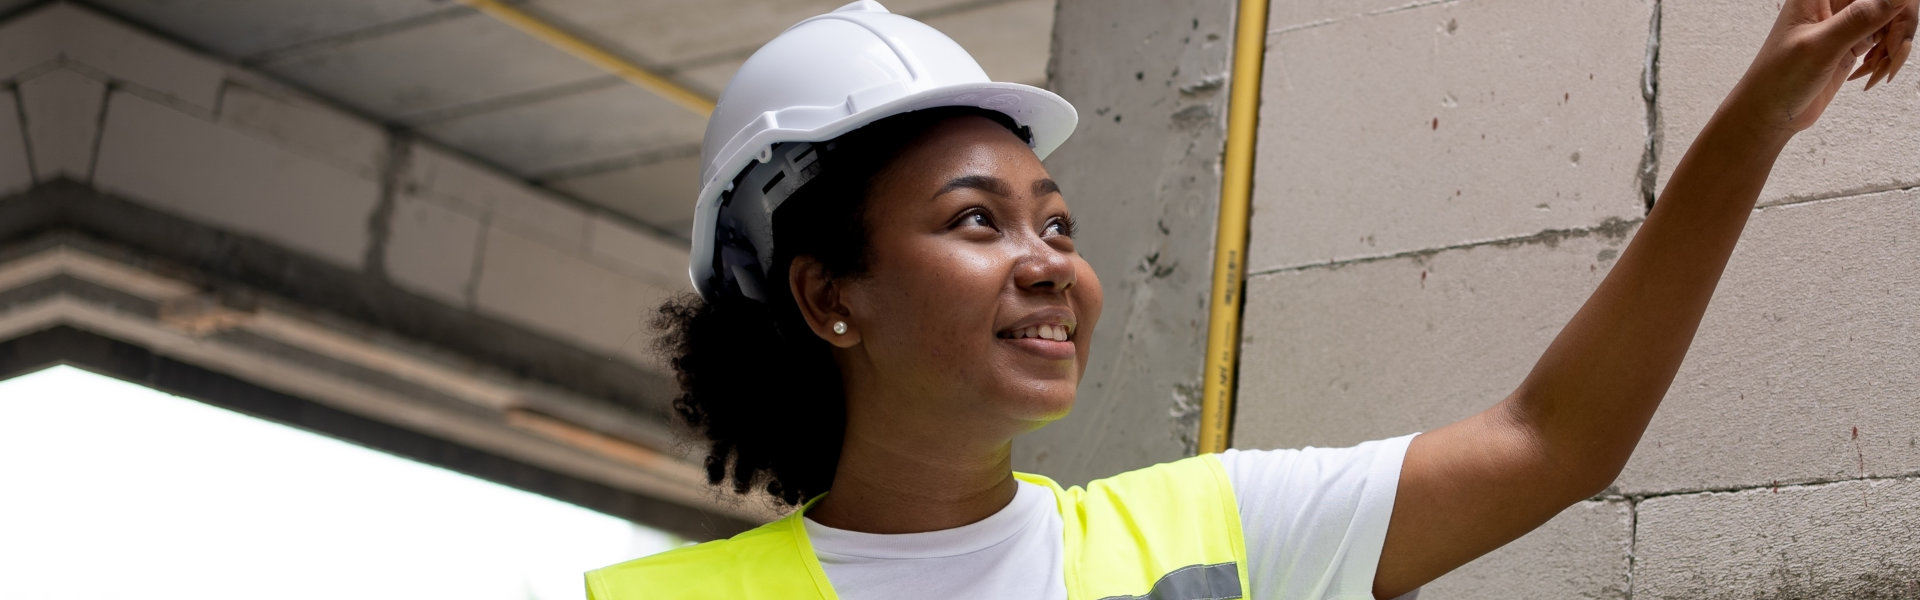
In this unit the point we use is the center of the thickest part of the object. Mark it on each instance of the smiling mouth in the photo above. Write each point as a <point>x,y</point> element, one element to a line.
<point>1057,333</point>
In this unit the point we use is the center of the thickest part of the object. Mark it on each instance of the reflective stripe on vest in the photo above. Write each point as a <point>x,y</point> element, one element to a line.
<point>1167,532</point>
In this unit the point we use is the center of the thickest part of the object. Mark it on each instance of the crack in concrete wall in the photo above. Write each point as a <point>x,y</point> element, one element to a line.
<point>1613,229</point>
<point>1650,92</point>
<point>380,223</point>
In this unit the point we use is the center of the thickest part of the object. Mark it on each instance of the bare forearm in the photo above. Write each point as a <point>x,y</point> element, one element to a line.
<point>1592,393</point>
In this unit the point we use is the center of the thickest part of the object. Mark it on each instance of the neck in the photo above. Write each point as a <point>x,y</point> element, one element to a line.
<point>908,484</point>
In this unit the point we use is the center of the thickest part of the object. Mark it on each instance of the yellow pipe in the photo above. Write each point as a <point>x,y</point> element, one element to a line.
<point>591,53</point>
<point>1230,245</point>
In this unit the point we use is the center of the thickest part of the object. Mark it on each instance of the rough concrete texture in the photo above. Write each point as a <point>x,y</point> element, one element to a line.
<point>15,171</point>
<point>527,281</point>
<point>437,173</point>
<point>62,109</point>
<point>1142,175</point>
<point>1004,52</point>
<point>1582,553</point>
<point>1332,356</point>
<point>1448,124</point>
<point>238,29</point>
<point>436,66</point>
<point>659,192</point>
<point>662,263</point>
<point>1853,539</point>
<point>432,249</point>
<point>310,128</point>
<point>206,172</point>
<point>70,32</point>
<point>1864,141</point>
<point>1805,367</point>
<point>615,120</point>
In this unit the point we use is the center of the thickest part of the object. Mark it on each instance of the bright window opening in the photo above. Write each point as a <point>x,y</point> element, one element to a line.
<point>113,490</point>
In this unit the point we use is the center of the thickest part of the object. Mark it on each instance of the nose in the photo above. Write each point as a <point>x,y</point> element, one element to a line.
<point>1043,268</point>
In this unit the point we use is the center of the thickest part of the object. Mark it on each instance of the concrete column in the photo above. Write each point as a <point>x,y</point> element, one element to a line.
<point>1142,175</point>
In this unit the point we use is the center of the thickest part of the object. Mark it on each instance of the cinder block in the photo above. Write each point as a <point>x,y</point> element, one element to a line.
<point>560,293</point>
<point>1300,14</point>
<point>307,127</point>
<point>30,40</point>
<point>1584,552</point>
<point>130,55</point>
<point>1805,366</point>
<point>206,172</point>
<point>14,172</point>
<point>612,121</point>
<point>439,174</point>
<point>661,262</point>
<point>1448,124</point>
<point>1337,355</point>
<point>1845,540</point>
<point>661,193</point>
<point>63,121</point>
<point>431,248</point>
<point>1863,142</point>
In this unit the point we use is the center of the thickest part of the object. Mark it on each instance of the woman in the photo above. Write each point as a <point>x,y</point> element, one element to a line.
<point>889,294</point>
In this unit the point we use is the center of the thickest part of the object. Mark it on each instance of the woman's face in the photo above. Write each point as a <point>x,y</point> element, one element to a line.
<point>975,306</point>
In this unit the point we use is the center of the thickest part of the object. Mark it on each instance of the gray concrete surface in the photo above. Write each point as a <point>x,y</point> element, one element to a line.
<point>62,112</point>
<point>1142,176</point>
<point>1333,356</point>
<point>1583,552</point>
<point>1807,366</point>
<point>1388,296</point>
<point>16,171</point>
<point>1447,124</point>
<point>1863,143</point>
<point>1852,539</point>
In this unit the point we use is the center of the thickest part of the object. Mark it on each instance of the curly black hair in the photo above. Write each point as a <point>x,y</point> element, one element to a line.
<point>754,379</point>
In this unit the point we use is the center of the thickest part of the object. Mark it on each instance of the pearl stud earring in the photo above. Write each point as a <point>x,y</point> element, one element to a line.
<point>839,327</point>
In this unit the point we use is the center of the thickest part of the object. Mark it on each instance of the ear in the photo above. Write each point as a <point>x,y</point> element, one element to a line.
<point>820,302</point>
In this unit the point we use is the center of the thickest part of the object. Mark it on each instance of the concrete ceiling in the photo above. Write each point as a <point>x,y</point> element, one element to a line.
<point>465,80</point>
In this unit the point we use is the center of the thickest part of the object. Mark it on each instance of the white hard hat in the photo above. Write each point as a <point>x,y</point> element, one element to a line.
<point>823,77</point>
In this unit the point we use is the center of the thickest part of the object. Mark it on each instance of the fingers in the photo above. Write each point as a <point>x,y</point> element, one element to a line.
<point>1899,37</point>
<point>1858,20</point>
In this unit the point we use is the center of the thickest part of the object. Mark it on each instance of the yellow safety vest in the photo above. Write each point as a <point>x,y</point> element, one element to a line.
<point>1166,532</point>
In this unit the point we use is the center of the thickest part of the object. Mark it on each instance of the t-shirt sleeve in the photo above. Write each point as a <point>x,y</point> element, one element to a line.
<point>1315,519</point>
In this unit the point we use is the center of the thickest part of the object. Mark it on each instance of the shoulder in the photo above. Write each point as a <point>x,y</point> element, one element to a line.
<point>712,569</point>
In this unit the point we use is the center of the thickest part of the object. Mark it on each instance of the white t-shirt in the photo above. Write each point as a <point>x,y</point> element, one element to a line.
<point>1315,520</point>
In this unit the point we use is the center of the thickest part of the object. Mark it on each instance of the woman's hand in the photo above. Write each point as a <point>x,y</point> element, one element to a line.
<point>1810,53</point>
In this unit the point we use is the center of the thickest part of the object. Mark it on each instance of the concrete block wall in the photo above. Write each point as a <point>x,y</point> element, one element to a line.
<point>1440,185</point>
<point>92,100</point>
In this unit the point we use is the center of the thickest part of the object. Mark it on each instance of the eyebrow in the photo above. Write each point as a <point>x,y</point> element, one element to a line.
<point>984,183</point>
<point>994,185</point>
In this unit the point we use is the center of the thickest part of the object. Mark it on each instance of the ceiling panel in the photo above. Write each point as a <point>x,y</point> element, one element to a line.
<point>434,67</point>
<point>1011,40</point>
<point>660,193</point>
<point>243,28</point>
<point>672,32</point>
<point>587,127</point>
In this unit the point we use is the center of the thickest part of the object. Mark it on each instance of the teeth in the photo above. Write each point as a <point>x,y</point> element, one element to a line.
<point>1056,333</point>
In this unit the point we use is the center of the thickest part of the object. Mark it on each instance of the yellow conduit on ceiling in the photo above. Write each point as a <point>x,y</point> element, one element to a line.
<point>600,57</point>
<point>1230,245</point>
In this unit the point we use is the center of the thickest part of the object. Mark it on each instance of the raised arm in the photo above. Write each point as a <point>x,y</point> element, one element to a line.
<point>1564,435</point>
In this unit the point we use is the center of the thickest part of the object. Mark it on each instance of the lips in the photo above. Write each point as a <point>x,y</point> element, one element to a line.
<point>1047,334</point>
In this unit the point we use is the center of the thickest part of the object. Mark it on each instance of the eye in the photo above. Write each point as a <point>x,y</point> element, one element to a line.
<point>1062,225</point>
<point>976,216</point>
